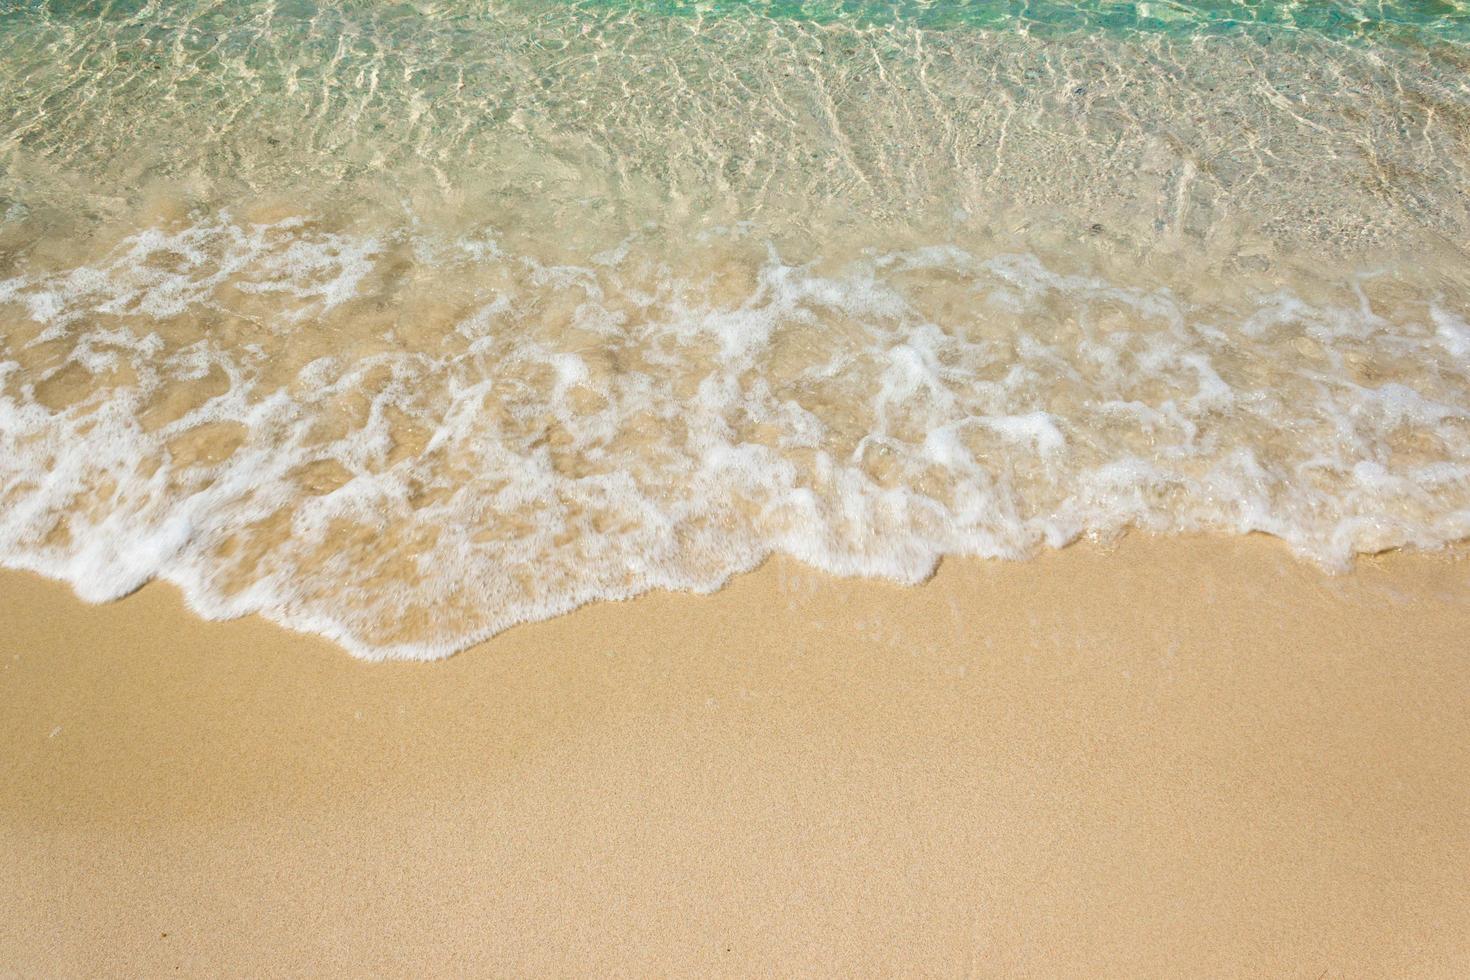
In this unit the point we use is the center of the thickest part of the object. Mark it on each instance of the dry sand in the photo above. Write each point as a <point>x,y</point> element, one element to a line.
<point>1193,758</point>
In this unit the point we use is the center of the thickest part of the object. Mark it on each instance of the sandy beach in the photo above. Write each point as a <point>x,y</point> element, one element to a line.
<point>1177,757</point>
<point>401,405</point>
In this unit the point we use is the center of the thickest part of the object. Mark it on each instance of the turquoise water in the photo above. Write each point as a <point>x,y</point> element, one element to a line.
<point>1422,19</point>
<point>405,323</point>
<point>1428,19</point>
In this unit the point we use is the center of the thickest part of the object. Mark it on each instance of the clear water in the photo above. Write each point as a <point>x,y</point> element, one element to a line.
<point>406,323</point>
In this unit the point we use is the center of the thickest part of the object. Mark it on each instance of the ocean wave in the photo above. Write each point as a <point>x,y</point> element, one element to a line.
<point>409,442</point>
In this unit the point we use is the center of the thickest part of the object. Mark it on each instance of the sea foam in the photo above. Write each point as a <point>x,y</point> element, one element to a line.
<point>231,408</point>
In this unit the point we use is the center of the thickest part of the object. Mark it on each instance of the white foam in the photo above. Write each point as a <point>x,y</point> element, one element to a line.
<point>868,419</point>
<point>1451,330</point>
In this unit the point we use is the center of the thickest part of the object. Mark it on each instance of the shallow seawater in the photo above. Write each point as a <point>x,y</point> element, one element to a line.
<point>405,323</point>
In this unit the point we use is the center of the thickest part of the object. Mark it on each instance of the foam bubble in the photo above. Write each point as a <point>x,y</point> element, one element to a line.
<point>221,412</point>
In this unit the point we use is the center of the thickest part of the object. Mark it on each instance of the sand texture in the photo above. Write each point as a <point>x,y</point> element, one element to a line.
<point>1187,757</point>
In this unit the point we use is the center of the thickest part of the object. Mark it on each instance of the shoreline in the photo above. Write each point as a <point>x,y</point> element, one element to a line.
<point>1171,755</point>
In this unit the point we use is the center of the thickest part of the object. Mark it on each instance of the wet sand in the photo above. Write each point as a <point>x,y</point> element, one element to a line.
<point>1188,757</point>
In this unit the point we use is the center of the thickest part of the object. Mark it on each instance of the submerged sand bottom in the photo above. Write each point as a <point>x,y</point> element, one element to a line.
<point>1189,756</point>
